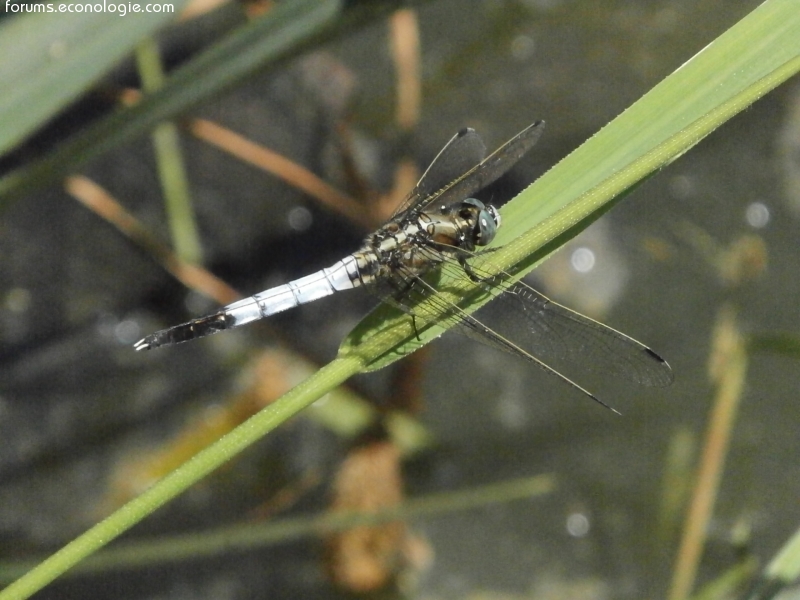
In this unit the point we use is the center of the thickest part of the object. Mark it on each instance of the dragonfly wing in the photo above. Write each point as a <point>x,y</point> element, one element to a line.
<point>519,318</point>
<point>418,297</point>
<point>464,150</point>
<point>492,167</point>
<point>460,169</point>
<point>555,333</point>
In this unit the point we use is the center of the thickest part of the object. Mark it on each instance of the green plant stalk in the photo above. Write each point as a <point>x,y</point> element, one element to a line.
<point>159,551</point>
<point>171,167</point>
<point>183,477</point>
<point>177,198</point>
<point>750,59</point>
<point>729,376</point>
<point>730,583</point>
<point>782,344</point>
<point>758,53</point>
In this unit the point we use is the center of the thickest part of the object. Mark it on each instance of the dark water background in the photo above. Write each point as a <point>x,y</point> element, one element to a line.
<point>75,398</point>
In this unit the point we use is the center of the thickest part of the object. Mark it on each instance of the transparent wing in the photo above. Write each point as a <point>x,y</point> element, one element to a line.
<point>460,169</point>
<point>492,167</point>
<point>410,290</point>
<point>464,150</point>
<point>555,333</point>
<point>524,322</point>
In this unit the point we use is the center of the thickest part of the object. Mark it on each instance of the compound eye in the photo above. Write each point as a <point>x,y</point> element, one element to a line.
<point>488,222</point>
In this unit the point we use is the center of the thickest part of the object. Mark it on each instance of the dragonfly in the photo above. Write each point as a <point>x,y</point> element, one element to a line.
<point>439,228</point>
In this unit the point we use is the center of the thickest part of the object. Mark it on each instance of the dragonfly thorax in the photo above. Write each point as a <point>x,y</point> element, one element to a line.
<point>421,240</point>
<point>465,225</point>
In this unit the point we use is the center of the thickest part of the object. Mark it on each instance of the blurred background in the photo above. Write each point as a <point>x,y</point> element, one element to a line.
<point>697,258</point>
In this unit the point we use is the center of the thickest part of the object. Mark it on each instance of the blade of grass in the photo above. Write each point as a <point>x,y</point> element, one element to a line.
<point>782,571</point>
<point>286,30</point>
<point>49,58</point>
<point>169,158</point>
<point>181,478</point>
<point>753,57</point>
<point>161,551</point>
<point>728,367</point>
<point>781,344</point>
<point>786,564</point>
<point>730,583</point>
<point>274,36</point>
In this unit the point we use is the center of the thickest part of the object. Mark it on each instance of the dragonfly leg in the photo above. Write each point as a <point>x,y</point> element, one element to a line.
<point>414,325</point>
<point>462,260</point>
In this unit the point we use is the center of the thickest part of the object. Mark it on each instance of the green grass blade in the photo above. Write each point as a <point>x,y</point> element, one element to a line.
<point>232,538</point>
<point>786,564</point>
<point>283,32</point>
<point>181,478</point>
<point>782,344</point>
<point>276,35</point>
<point>171,166</point>
<point>781,572</point>
<point>50,58</point>
<point>754,56</point>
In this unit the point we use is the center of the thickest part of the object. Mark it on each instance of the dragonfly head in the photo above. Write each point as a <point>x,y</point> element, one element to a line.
<point>487,220</point>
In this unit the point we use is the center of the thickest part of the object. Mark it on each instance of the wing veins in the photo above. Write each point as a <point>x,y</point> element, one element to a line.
<point>472,327</point>
<point>471,180</point>
<point>556,332</point>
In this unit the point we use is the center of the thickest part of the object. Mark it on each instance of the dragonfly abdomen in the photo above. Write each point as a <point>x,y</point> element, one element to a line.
<point>343,275</point>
